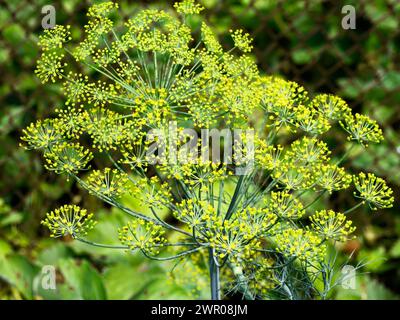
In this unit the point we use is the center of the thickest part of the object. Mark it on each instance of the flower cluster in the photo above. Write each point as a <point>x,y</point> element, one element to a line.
<point>143,235</point>
<point>373,190</point>
<point>67,158</point>
<point>242,40</point>
<point>108,182</point>
<point>188,7</point>
<point>155,84</point>
<point>54,38</point>
<point>301,244</point>
<point>41,135</point>
<point>285,205</point>
<point>331,225</point>
<point>362,129</point>
<point>69,220</point>
<point>333,178</point>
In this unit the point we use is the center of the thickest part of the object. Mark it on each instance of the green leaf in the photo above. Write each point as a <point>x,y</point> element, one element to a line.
<point>83,280</point>
<point>19,272</point>
<point>55,253</point>
<point>11,218</point>
<point>14,33</point>
<point>395,250</point>
<point>301,56</point>
<point>5,249</point>
<point>374,259</point>
<point>92,286</point>
<point>124,281</point>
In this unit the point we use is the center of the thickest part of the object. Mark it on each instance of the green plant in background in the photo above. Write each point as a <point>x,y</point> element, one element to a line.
<point>254,233</point>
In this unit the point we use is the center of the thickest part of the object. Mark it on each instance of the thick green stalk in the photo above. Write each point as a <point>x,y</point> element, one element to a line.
<point>214,277</point>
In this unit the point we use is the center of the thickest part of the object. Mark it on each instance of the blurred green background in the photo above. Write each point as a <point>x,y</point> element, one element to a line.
<point>300,40</point>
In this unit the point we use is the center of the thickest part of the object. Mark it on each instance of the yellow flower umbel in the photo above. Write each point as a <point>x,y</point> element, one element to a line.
<point>285,205</point>
<point>373,190</point>
<point>54,38</point>
<point>331,225</point>
<point>194,212</point>
<point>210,40</point>
<point>50,67</point>
<point>242,40</point>
<point>69,220</point>
<point>281,100</point>
<point>330,177</point>
<point>362,129</point>
<point>143,235</point>
<point>188,7</point>
<point>311,121</point>
<point>67,158</point>
<point>301,244</point>
<point>108,182</point>
<point>41,135</point>
<point>332,107</point>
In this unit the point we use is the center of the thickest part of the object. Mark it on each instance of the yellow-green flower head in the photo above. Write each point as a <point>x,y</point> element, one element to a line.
<point>54,38</point>
<point>102,9</point>
<point>373,190</point>
<point>50,66</point>
<point>294,177</point>
<point>69,121</point>
<point>143,235</point>
<point>331,225</point>
<point>157,31</point>
<point>228,239</point>
<point>362,129</point>
<point>106,128</point>
<point>67,158</point>
<point>150,72</point>
<point>194,212</point>
<point>188,7</point>
<point>311,120</point>
<point>108,182</point>
<point>210,39</point>
<point>307,151</point>
<point>152,193</point>
<point>331,106</point>
<point>100,93</point>
<point>254,222</point>
<point>98,26</point>
<point>242,40</point>
<point>285,205</point>
<point>281,99</point>
<point>332,178</point>
<point>69,220</point>
<point>41,135</point>
<point>76,88</point>
<point>267,157</point>
<point>300,243</point>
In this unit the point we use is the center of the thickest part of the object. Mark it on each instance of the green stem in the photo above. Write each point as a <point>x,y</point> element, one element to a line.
<point>233,204</point>
<point>179,255</point>
<point>242,281</point>
<point>345,154</point>
<point>315,200</point>
<point>214,277</point>
<point>100,245</point>
<point>354,208</point>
